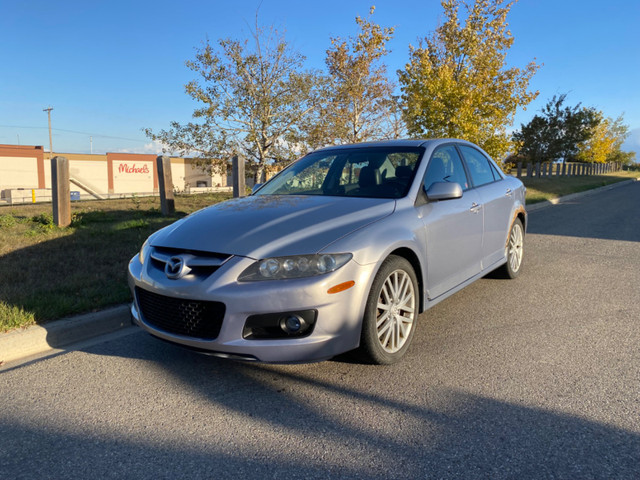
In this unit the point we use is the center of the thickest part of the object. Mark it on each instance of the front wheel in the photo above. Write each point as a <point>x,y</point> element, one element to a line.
<point>390,313</point>
<point>514,251</point>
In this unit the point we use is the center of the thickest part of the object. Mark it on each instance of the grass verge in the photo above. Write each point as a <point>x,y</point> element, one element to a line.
<point>48,272</point>
<point>548,188</point>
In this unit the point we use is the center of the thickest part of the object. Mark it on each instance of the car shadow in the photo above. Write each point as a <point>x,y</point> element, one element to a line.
<point>441,433</point>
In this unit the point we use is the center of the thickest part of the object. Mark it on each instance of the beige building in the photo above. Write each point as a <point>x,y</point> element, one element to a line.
<point>25,175</point>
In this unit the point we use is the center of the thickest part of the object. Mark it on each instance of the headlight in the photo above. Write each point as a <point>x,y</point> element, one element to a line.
<point>144,251</point>
<point>299,266</point>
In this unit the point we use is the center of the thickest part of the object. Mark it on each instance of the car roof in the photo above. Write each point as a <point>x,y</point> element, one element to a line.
<point>392,143</point>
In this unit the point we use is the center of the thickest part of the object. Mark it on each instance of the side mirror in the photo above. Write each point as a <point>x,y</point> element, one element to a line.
<point>256,187</point>
<point>444,191</point>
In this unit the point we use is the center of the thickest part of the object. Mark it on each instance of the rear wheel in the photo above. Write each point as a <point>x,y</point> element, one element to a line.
<point>514,251</point>
<point>390,314</point>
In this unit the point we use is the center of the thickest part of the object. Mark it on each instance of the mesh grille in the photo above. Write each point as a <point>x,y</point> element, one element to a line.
<point>190,318</point>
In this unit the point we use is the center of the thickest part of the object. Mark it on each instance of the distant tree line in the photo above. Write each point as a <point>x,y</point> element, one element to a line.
<point>577,134</point>
<point>257,99</point>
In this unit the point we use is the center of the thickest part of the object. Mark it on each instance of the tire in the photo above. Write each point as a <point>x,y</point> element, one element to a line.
<point>514,251</point>
<point>391,313</point>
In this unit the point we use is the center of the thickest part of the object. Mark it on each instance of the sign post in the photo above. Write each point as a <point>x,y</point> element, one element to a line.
<point>61,191</point>
<point>167,202</point>
<point>239,189</point>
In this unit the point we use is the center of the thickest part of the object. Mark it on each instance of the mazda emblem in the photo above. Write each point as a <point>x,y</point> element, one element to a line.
<point>176,268</point>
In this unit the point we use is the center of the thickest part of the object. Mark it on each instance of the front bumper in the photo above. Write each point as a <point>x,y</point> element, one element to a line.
<point>339,316</point>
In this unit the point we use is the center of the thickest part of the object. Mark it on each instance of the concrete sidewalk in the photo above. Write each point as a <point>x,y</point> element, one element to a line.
<point>20,344</point>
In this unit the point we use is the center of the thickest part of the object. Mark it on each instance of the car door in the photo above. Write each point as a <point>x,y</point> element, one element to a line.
<point>497,202</point>
<point>453,228</point>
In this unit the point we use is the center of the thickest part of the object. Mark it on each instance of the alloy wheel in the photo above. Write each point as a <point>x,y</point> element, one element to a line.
<point>395,311</point>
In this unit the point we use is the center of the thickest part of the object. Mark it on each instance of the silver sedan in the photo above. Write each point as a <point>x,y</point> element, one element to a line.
<point>338,252</point>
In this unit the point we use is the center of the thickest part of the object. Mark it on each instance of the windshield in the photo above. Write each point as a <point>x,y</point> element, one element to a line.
<point>376,172</point>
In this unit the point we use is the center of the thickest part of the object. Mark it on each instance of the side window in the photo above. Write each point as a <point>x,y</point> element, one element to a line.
<point>445,166</point>
<point>479,166</point>
<point>496,174</point>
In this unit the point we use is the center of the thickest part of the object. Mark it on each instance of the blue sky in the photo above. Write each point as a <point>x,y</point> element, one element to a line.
<point>111,68</point>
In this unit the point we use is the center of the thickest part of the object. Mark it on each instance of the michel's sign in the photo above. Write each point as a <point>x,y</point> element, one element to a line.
<point>126,168</point>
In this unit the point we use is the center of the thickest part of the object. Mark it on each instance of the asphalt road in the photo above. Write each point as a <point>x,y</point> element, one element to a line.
<point>533,378</point>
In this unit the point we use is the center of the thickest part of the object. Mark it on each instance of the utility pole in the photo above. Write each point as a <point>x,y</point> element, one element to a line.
<point>91,145</point>
<point>48,110</point>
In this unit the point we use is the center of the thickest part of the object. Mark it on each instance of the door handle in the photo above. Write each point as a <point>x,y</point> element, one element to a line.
<point>475,208</point>
<point>509,192</point>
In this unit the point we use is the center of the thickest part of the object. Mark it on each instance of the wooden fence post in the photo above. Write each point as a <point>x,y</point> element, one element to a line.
<point>538,169</point>
<point>239,189</point>
<point>61,191</point>
<point>165,182</point>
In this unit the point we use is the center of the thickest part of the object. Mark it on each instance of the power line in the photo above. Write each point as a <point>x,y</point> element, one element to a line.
<point>75,131</point>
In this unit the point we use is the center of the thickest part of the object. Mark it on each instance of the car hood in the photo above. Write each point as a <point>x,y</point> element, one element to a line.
<point>264,226</point>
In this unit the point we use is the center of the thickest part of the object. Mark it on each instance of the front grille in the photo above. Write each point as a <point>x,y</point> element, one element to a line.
<point>190,318</point>
<point>200,264</point>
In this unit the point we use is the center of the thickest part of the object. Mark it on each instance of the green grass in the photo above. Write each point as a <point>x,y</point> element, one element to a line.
<point>49,272</point>
<point>13,317</point>
<point>549,188</point>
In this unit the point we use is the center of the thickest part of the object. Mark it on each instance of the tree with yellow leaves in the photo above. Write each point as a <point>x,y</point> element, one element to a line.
<point>456,83</point>
<point>604,144</point>
<point>358,96</point>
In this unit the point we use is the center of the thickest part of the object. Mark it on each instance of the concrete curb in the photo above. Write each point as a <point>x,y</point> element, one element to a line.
<point>573,196</point>
<point>37,339</point>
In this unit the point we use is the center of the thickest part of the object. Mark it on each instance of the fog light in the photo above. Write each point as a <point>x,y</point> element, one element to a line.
<point>292,324</point>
